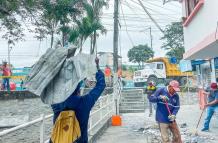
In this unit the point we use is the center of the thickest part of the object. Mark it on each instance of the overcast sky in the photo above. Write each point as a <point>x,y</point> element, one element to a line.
<point>134,31</point>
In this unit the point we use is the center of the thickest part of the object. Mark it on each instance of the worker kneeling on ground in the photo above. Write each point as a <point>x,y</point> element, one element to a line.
<point>168,105</point>
<point>81,106</point>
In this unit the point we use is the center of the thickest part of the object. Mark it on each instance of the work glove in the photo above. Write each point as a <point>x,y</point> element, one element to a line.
<point>164,98</point>
<point>172,118</point>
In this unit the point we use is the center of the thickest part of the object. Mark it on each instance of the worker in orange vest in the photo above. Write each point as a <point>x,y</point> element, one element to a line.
<point>107,73</point>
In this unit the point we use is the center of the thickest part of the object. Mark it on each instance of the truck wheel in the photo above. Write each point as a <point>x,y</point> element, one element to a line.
<point>153,79</point>
<point>183,81</point>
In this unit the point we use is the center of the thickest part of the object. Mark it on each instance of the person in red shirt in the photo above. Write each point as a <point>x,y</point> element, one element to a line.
<point>107,71</point>
<point>6,72</point>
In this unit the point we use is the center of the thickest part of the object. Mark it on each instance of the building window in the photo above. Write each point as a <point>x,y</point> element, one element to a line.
<point>190,5</point>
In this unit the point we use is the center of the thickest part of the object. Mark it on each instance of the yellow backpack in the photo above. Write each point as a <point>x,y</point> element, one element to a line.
<point>66,128</point>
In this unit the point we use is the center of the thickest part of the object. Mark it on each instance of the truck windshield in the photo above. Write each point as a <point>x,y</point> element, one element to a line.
<point>149,66</point>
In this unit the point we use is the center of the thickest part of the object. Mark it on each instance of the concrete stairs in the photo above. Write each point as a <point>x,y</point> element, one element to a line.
<point>132,101</point>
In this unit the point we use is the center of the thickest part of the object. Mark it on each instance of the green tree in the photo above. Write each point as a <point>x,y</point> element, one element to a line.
<point>97,6</point>
<point>56,18</point>
<point>124,67</point>
<point>174,40</point>
<point>85,28</point>
<point>12,12</point>
<point>49,17</point>
<point>140,54</point>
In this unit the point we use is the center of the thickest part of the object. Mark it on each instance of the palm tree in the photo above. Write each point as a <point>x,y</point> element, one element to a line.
<point>55,18</point>
<point>86,27</point>
<point>97,6</point>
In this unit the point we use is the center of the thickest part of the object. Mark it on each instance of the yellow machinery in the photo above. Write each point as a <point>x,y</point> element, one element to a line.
<point>172,70</point>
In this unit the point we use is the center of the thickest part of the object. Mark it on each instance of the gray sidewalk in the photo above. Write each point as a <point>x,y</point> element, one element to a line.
<point>128,132</point>
<point>139,128</point>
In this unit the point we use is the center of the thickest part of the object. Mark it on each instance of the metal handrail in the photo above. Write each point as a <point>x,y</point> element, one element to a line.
<point>4,132</point>
<point>43,118</point>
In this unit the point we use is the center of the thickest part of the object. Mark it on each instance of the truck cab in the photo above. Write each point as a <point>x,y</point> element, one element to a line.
<point>160,70</point>
<point>151,72</point>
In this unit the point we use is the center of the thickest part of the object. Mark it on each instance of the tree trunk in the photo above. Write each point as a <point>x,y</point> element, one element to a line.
<point>64,35</point>
<point>81,45</point>
<point>91,43</point>
<point>52,38</point>
<point>63,39</point>
<point>94,42</point>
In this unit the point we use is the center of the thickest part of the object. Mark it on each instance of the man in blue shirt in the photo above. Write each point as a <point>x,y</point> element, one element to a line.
<point>166,119</point>
<point>212,105</point>
<point>82,105</point>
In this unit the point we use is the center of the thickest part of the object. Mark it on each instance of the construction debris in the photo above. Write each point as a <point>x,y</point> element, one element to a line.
<point>153,133</point>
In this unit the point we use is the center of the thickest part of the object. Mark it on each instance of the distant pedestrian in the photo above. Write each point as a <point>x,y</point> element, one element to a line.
<point>212,104</point>
<point>6,76</point>
<point>168,105</point>
<point>108,75</point>
<point>150,89</point>
<point>21,84</point>
<point>119,72</point>
<point>82,106</point>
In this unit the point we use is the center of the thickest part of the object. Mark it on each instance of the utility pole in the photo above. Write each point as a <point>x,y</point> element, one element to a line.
<point>116,34</point>
<point>151,39</point>
<point>115,55</point>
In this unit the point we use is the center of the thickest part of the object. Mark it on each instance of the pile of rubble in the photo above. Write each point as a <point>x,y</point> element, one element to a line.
<point>153,135</point>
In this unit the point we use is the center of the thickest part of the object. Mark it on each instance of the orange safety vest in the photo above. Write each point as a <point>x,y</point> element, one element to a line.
<point>107,72</point>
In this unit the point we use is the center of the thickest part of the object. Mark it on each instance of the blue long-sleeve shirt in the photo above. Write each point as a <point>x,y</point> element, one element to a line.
<point>82,106</point>
<point>162,112</point>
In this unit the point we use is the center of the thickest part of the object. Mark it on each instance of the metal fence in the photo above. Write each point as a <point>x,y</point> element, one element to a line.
<point>101,113</point>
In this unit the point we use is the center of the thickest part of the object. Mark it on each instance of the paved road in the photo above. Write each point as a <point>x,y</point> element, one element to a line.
<point>139,128</point>
<point>31,107</point>
<point>128,132</point>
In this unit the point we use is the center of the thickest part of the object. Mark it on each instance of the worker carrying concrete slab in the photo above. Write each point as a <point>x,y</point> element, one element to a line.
<point>82,105</point>
<point>168,105</point>
<point>57,78</point>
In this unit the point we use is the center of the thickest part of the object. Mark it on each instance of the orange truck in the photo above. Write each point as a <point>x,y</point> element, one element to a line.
<point>159,70</point>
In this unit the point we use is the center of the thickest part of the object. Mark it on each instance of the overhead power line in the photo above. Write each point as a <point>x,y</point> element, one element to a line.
<point>156,5</point>
<point>146,11</point>
<point>154,12</point>
<point>126,26</point>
